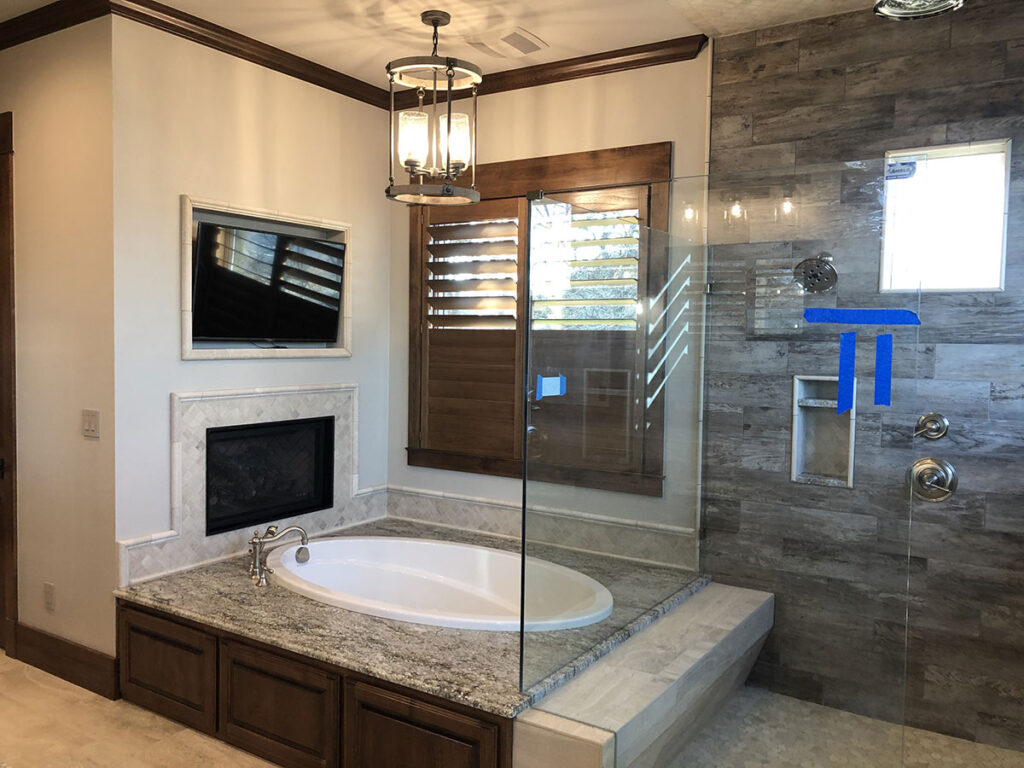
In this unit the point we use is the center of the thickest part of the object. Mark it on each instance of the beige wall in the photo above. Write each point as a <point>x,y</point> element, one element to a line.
<point>663,103</point>
<point>59,89</point>
<point>113,122</point>
<point>191,120</point>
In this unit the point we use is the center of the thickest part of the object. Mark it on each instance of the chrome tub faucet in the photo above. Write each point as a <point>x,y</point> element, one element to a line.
<point>258,569</point>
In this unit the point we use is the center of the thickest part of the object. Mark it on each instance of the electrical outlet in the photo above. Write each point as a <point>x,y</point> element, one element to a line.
<point>49,596</point>
<point>90,423</point>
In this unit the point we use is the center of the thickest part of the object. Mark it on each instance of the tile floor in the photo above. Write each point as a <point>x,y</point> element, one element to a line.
<point>759,729</point>
<point>48,723</point>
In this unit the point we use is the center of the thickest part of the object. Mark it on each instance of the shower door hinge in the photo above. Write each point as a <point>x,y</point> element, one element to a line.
<point>708,288</point>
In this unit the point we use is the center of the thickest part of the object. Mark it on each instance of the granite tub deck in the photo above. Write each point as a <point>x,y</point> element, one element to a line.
<point>477,669</point>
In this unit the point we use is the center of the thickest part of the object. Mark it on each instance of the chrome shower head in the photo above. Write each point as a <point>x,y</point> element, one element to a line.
<point>816,275</point>
<point>907,10</point>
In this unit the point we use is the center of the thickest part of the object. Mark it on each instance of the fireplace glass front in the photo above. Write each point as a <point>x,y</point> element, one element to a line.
<point>258,473</point>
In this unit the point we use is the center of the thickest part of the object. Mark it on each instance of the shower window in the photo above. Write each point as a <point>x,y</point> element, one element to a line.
<point>945,218</point>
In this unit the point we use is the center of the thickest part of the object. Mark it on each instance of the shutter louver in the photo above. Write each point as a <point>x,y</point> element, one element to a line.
<point>472,274</point>
<point>600,289</point>
<point>471,286</point>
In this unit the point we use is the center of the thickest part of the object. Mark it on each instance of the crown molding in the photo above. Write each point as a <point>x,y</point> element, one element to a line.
<point>68,13</point>
<point>49,19</point>
<point>620,60</point>
<point>228,41</point>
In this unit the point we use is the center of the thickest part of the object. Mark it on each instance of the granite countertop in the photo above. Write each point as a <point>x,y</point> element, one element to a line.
<point>478,669</point>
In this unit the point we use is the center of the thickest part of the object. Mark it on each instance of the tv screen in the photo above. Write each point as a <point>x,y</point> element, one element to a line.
<point>255,286</point>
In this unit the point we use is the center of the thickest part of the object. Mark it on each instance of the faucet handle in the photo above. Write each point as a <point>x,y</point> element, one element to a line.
<point>271,530</point>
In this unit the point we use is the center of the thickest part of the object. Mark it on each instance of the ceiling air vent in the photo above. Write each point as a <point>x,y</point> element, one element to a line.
<point>508,45</point>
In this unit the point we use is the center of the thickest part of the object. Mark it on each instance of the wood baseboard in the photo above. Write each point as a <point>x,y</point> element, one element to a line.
<point>8,636</point>
<point>85,667</point>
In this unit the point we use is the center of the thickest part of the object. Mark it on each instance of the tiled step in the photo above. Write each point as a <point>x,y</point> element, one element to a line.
<point>638,706</point>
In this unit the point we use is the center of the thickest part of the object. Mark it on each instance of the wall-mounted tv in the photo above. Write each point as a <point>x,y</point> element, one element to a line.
<point>265,287</point>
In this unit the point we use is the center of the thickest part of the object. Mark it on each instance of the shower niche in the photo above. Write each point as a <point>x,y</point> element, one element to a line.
<point>823,440</point>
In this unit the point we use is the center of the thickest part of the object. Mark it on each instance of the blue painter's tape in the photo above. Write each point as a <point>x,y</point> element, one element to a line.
<point>883,369</point>
<point>550,386</point>
<point>847,368</point>
<point>862,316</point>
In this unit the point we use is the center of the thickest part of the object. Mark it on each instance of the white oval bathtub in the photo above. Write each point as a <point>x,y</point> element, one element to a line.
<point>440,583</point>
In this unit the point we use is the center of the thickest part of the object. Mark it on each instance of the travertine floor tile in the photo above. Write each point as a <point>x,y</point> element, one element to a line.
<point>46,722</point>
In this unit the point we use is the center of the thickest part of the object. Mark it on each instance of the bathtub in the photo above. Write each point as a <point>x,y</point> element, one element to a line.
<point>440,583</point>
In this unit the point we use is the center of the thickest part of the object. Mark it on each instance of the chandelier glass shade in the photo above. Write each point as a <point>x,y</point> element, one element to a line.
<point>433,144</point>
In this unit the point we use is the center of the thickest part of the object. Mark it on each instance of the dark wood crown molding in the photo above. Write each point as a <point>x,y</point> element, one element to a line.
<point>223,39</point>
<point>68,13</point>
<point>621,60</point>
<point>50,18</point>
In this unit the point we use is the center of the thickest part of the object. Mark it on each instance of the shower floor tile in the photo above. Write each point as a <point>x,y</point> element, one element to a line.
<point>760,729</point>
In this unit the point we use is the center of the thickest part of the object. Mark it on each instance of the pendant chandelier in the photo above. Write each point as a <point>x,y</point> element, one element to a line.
<point>438,146</point>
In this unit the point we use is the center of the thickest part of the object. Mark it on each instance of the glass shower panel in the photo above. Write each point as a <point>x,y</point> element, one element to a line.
<point>615,348</point>
<point>966,589</point>
<point>812,383</point>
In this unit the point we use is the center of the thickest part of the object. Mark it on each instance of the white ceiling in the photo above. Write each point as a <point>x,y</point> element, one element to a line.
<point>358,37</point>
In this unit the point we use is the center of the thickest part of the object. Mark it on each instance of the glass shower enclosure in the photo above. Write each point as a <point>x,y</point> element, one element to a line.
<point>754,391</point>
<point>613,409</point>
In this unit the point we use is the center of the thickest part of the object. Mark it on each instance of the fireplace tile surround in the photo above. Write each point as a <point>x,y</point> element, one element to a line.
<point>185,544</point>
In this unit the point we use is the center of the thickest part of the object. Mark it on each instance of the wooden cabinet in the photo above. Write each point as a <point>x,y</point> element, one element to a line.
<point>296,712</point>
<point>281,709</point>
<point>169,668</point>
<point>388,730</point>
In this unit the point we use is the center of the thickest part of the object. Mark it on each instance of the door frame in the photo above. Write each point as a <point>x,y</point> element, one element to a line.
<point>8,428</point>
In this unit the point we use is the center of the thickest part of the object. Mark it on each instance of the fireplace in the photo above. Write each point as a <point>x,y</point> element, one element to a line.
<point>256,473</point>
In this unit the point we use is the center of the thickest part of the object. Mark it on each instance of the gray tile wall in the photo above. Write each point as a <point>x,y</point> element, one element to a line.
<point>809,110</point>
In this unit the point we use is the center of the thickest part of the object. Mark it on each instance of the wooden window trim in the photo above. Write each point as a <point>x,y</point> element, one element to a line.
<point>642,165</point>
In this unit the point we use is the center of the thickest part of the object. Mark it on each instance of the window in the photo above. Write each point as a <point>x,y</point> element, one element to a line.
<point>468,326</point>
<point>945,218</point>
<point>585,276</point>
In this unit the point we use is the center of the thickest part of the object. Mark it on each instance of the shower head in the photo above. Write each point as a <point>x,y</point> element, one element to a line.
<point>906,10</point>
<point>816,275</point>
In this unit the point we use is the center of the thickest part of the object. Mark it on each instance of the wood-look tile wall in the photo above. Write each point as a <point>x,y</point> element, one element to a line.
<point>808,110</point>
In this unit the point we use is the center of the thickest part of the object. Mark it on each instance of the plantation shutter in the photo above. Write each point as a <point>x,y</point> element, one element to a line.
<point>469,341</point>
<point>469,323</point>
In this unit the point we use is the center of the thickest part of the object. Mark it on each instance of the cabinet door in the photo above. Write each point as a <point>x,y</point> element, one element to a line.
<point>278,708</point>
<point>387,730</point>
<point>169,668</point>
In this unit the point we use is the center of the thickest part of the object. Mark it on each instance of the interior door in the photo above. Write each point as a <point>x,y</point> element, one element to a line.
<point>8,563</point>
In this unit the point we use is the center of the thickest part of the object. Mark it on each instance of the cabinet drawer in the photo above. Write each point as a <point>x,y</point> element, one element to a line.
<point>280,709</point>
<point>387,730</point>
<point>169,668</point>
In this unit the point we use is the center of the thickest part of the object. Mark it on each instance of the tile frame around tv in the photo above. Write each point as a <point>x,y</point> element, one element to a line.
<point>195,210</point>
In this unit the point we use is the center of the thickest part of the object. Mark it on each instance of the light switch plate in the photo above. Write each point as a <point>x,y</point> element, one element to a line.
<point>90,423</point>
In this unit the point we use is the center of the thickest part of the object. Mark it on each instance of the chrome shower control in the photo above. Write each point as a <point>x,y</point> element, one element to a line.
<point>932,479</point>
<point>932,426</point>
